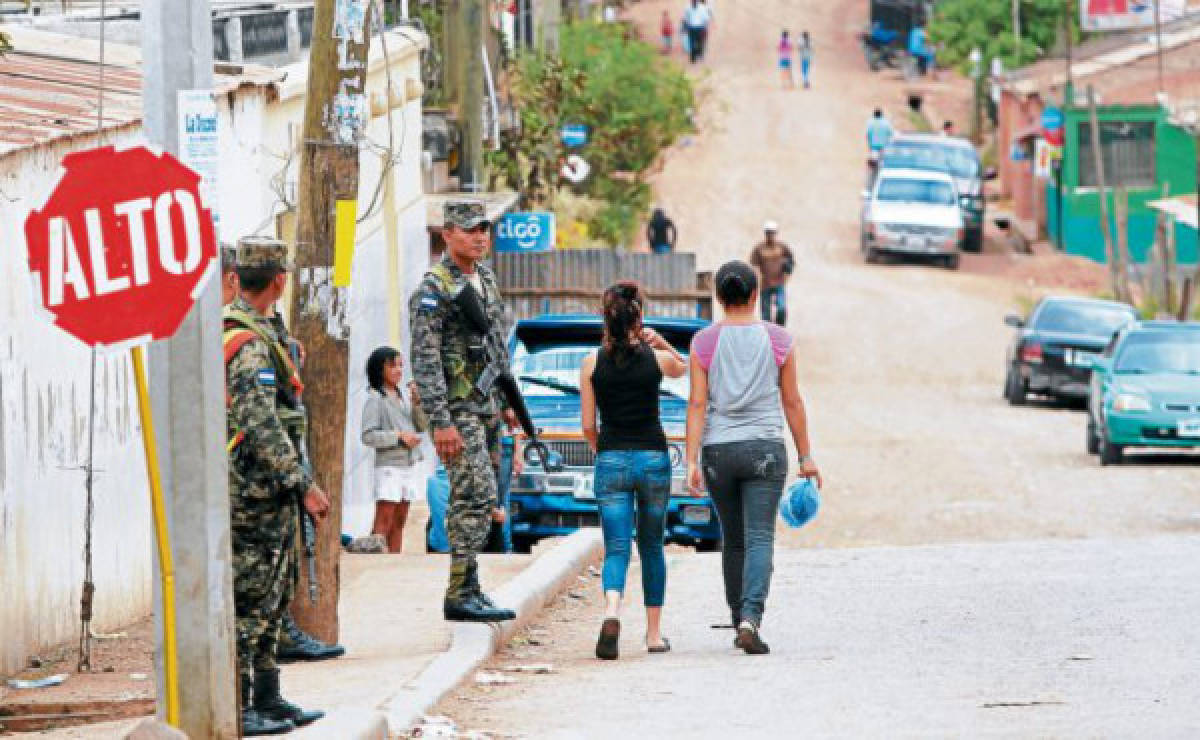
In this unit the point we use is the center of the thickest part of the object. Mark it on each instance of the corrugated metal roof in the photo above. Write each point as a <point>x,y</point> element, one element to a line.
<point>45,97</point>
<point>49,87</point>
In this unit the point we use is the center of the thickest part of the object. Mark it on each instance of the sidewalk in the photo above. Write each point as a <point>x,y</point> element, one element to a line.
<point>392,627</point>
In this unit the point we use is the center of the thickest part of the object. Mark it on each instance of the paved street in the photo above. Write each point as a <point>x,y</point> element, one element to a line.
<point>902,370</point>
<point>1079,639</point>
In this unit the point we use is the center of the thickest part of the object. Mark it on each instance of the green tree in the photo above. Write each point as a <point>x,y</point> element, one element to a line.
<point>962,25</point>
<point>634,103</point>
<point>5,43</point>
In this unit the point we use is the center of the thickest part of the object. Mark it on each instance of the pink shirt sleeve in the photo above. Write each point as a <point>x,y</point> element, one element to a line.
<point>704,345</point>
<point>781,343</point>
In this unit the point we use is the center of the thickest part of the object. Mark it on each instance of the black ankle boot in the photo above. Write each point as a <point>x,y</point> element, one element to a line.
<point>470,609</point>
<point>272,705</point>
<point>254,724</point>
<point>296,644</point>
<point>484,600</point>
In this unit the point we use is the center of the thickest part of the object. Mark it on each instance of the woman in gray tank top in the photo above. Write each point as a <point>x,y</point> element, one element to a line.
<point>744,387</point>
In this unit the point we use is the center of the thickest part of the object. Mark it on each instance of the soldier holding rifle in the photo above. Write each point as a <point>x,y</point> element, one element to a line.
<point>269,480</point>
<point>458,358</point>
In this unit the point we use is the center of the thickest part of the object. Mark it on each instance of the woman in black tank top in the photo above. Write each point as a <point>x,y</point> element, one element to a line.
<point>633,471</point>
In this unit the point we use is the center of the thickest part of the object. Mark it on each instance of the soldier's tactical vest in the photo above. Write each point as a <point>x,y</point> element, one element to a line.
<point>241,328</point>
<point>463,371</point>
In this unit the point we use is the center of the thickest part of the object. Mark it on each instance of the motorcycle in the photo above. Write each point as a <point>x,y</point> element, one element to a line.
<point>881,47</point>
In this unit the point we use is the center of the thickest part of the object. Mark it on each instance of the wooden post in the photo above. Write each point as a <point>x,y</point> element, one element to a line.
<point>328,173</point>
<point>469,50</point>
<point>1165,248</point>
<point>451,59</point>
<point>1105,224</point>
<point>1121,214</point>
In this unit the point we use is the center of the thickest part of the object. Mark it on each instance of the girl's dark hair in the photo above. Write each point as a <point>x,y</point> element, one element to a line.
<point>377,363</point>
<point>736,283</point>
<point>623,303</point>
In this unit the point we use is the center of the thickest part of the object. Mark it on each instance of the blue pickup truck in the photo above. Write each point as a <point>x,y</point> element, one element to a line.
<point>546,355</point>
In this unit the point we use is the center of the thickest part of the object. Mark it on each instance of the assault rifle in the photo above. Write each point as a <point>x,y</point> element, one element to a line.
<point>308,528</point>
<point>497,373</point>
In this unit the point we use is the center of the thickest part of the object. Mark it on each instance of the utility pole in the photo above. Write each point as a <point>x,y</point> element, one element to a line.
<point>1016,21</point>
<point>188,399</point>
<point>468,48</point>
<point>335,113</point>
<point>1110,249</point>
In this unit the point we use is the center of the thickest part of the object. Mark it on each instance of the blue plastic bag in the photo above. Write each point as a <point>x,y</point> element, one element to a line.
<point>800,503</point>
<point>437,493</point>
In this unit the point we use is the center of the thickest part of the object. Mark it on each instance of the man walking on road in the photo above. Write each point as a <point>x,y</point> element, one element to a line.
<point>268,477</point>
<point>775,261</point>
<point>696,19</point>
<point>879,134</point>
<point>455,368</point>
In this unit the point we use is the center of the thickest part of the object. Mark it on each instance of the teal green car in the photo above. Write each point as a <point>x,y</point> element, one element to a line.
<point>1145,390</point>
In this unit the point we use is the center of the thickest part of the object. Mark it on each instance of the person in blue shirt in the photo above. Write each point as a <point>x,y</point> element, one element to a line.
<point>879,132</point>
<point>919,49</point>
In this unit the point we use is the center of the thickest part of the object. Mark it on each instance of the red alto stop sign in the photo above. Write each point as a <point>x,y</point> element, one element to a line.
<point>122,247</point>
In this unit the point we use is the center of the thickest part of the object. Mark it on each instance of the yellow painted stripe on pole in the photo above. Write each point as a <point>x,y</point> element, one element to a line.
<point>343,243</point>
<point>161,538</point>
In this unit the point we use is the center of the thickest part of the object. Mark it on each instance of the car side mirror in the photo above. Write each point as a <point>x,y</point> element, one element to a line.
<point>1014,321</point>
<point>990,173</point>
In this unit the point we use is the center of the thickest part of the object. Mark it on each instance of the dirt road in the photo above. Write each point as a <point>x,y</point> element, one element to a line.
<point>902,364</point>
<point>902,369</point>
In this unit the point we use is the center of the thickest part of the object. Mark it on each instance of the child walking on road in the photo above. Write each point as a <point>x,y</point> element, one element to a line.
<point>742,371</point>
<point>804,51</point>
<point>393,423</point>
<point>785,61</point>
<point>633,469</point>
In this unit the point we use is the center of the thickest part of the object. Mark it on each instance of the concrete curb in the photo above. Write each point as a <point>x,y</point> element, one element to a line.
<point>472,644</point>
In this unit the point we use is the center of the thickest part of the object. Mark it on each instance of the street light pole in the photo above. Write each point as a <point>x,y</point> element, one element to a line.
<point>188,399</point>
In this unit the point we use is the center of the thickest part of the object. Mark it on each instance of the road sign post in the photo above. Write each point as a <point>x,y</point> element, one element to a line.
<point>188,393</point>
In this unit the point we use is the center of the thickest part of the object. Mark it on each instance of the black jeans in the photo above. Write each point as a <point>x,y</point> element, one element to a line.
<point>696,43</point>
<point>746,480</point>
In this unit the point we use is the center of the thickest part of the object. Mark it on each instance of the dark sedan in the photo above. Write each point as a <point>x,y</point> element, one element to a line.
<point>1053,350</point>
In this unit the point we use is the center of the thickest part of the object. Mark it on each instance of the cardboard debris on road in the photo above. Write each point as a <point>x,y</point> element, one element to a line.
<point>537,668</point>
<point>37,683</point>
<point>483,678</point>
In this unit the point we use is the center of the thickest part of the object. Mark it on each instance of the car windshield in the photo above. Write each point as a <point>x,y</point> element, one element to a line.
<point>904,190</point>
<point>554,372</point>
<point>909,157</point>
<point>1160,352</point>
<point>959,161</point>
<point>1077,318</point>
<point>963,162</point>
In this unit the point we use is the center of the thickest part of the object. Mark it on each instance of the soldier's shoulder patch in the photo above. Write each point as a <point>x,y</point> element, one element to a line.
<point>427,301</point>
<point>266,377</point>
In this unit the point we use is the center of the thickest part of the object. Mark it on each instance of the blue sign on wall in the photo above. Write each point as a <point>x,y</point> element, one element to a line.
<point>574,135</point>
<point>1052,119</point>
<point>528,231</point>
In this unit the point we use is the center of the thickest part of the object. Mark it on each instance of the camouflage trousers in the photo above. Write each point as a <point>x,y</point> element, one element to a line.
<point>472,496</point>
<point>264,580</point>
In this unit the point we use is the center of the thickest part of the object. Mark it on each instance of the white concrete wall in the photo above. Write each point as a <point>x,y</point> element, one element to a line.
<point>44,389</point>
<point>44,374</point>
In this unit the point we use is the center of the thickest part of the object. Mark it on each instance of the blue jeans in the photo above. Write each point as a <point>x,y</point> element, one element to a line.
<point>745,480</point>
<point>629,481</point>
<point>774,304</point>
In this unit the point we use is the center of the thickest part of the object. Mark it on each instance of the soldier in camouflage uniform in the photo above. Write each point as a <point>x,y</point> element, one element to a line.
<point>267,481</point>
<point>450,364</point>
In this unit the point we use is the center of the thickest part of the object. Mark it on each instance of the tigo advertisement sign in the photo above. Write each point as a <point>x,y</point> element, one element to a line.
<point>530,231</point>
<point>1117,15</point>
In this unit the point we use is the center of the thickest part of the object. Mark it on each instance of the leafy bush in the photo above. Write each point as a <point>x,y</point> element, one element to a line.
<point>634,103</point>
<point>962,25</point>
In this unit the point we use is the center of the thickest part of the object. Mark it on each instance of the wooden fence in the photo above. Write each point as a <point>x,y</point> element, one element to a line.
<point>573,281</point>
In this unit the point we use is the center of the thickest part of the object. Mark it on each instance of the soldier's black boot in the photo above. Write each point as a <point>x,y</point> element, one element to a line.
<point>486,601</point>
<point>271,705</point>
<point>296,644</point>
<point>254,724</point>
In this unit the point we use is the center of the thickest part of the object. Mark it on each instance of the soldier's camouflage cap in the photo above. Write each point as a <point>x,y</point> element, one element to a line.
<point>465,214</point>
<point>228,257</point>
<point>263,252</point>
